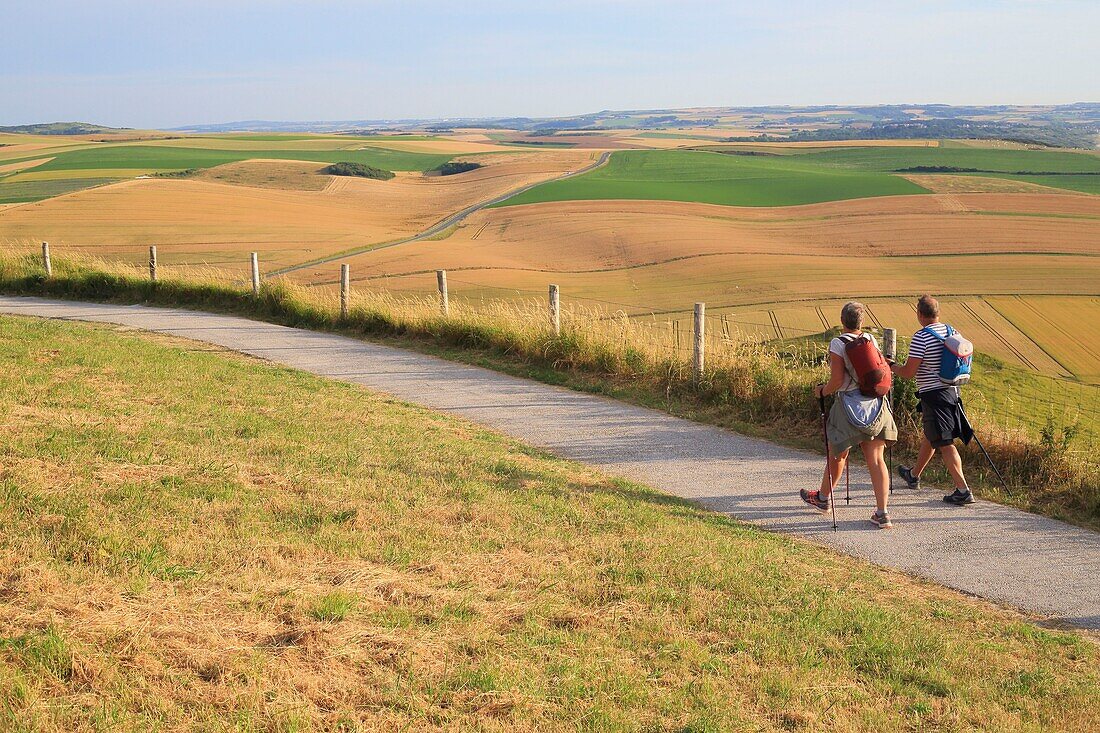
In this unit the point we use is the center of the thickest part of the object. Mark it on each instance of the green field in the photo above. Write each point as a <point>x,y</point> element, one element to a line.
<point>158,157</point>
<point>797,177</point>
<point>714,178</point>
<point>22,191</point>
<point>1082,182</point>
<point>294,554</point>
<point>982,159</point>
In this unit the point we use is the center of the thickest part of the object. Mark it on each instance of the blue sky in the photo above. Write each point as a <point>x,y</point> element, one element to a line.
<point>161,64</point>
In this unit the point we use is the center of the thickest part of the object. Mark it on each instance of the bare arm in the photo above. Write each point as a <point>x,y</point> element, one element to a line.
<point>836,376</point>
<point>908,369</point>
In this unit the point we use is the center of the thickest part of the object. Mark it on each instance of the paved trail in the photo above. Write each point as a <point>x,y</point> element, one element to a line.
<point>988,550</point>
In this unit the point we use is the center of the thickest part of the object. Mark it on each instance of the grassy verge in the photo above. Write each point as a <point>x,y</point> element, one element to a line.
<point>294,554</point>
<point>745,386</point>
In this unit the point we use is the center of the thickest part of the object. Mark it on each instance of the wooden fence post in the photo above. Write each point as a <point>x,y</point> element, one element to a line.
<point>345,289</point>
<point>255,273</point>
<point>153,262</point>
<point>890,343</point>
<point>441,281</point>
<point>46,259</point>
<point>555,310</point>
<point>700,323</point>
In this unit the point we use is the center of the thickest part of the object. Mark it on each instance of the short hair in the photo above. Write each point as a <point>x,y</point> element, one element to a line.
<point>928,306</point>
<point>851,315</point>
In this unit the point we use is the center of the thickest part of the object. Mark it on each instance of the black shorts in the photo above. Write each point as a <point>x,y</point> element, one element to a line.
<point>943,417</point>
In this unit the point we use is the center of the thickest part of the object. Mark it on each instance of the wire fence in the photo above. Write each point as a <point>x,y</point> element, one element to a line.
<point>1042,405</point>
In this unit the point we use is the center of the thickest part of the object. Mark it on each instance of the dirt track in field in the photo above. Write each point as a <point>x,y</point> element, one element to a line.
<point>202,221</point>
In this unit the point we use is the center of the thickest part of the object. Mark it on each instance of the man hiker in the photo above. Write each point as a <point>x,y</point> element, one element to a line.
<point>941,411</point>
<point>855,418</point>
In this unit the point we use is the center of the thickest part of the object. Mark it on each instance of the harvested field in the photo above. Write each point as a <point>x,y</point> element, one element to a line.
<point>978,184</point>
<point>760,265</point>
<point>598,235</point>
<point>1069,330</point>
<point>281,174</point>
<point>22,165</point>
<point>197,222</point>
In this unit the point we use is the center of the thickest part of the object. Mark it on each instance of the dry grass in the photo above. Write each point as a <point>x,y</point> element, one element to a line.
<point>290,175</point>
<point>301,555</point>
<point>979,184</point>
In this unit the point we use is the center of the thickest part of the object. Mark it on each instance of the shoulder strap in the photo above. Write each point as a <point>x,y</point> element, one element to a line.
<point>851,338</point>
<point>932,331</point>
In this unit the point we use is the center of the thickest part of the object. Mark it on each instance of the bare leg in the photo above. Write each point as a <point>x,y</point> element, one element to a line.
<point>953,461</point>
<point>835,468</point>
<point>923,457</point>
<point>874,454</point>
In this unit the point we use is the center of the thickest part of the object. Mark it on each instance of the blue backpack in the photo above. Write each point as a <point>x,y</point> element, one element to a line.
<point>956,357</point>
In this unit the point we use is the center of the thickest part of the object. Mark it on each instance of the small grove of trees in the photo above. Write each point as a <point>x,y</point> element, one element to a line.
<point>360,170</point>
<point>457,166</point>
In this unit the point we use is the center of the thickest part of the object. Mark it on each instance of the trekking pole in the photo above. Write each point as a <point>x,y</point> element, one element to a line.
<point>985,453</point>
<point>828,460</point>
<point>847,482</point>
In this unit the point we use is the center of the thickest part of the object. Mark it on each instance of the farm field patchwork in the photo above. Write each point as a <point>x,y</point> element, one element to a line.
<point>220,215</point>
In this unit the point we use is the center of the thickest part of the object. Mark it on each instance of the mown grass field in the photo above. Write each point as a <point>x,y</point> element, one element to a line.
<point>292,554</point>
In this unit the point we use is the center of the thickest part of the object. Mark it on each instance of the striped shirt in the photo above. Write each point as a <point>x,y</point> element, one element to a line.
<point>928,349</point>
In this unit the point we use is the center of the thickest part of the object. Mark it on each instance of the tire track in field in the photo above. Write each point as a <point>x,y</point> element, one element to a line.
<point>874,318</point>
<point>1085,346</point>
<point>775,324</point>
<point>997,335</point>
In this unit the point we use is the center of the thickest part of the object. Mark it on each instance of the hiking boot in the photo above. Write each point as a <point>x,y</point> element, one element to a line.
<point>959,498</point>
<point>882,519</point>
<point>814,499</point>
<point>911,481</point>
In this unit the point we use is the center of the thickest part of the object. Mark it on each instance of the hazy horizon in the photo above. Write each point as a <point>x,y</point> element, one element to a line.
<point>141,65</point>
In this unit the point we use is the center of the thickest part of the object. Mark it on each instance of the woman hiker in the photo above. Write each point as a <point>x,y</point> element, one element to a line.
<point>854,420</point>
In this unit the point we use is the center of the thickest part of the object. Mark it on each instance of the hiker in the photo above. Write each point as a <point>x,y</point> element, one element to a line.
<point>941,411</point>
<point>856,418</point>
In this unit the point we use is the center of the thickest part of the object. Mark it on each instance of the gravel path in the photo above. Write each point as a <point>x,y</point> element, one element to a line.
<point>1037,564</point>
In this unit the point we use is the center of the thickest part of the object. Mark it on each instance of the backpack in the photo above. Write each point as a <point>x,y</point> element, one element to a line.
<point>955,357</point>
<point>872,371</point>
